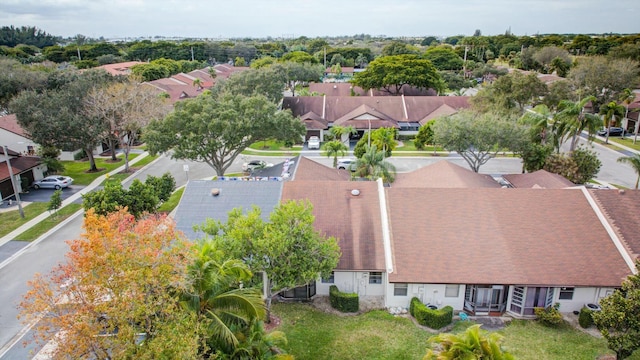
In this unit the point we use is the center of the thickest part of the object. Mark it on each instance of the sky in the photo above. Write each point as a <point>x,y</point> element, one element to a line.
<point>318,18</point>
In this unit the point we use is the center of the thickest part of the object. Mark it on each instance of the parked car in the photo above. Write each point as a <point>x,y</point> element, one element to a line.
<point>347,164</point>
<point>255,164</point>
<point>313,143</point>
<point>53,182</point>
<point>613,131</point>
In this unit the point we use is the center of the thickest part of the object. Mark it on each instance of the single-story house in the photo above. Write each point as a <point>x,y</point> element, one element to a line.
<point>450,236</point>
<point>26,169</point>
<point>366,113</point>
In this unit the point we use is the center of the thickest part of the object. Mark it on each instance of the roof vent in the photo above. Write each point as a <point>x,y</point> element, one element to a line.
<point>215,192</point>
<point>355,192</point>
<point>621,191</point>
<point>335,86</point>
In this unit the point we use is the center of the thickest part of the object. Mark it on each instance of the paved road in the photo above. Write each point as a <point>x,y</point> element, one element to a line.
<point>40,257</point>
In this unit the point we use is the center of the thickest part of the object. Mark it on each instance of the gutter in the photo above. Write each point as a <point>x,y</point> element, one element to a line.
<point>386,233</point>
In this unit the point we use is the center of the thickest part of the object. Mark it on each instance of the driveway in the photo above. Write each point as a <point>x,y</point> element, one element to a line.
<point>42,195</point>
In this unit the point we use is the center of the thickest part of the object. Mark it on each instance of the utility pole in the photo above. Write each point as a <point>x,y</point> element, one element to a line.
<point>13,182</point>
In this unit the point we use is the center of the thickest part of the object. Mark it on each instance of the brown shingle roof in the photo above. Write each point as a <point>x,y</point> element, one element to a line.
<point>356,116</point>
<point>309,170</point>
<point>353,220</point>
<point>538,179</point>
<point>622,208</point>
<point>18,165</point>
<point>444,174</point>
<point>498,236</point>
<point>10,123</point>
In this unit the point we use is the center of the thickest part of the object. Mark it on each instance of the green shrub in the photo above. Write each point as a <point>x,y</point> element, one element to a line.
<point>434,319</point>
<point>585,319</point>
<point>163,186</point>
<point>549,316</point>
<point>345,302</point>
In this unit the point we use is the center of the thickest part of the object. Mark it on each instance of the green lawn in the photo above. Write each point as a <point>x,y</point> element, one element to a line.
<point>173,201</point>
<point>313,334</point>
<point>78,169</point>
<point>273,145</point>
<point>48,223</point>
<point>11,220</point>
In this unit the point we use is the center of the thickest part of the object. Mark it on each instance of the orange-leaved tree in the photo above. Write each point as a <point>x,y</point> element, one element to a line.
<point>117,294</point>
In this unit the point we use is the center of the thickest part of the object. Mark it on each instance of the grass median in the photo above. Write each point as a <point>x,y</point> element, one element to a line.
<point>49,223</point>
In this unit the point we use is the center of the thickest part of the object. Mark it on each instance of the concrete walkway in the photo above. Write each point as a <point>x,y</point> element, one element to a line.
<point>26,226</point>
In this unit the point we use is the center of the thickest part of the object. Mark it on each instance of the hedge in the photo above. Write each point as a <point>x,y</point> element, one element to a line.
<point>434,319</point>
<point>585,319</point>
<point>345,302</point>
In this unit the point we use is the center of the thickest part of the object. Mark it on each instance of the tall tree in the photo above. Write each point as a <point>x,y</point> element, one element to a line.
<point>611,114</point>
<point>603,78</point>
<point>619,319</point>
<point>627,96</point>
<point>293,73</point>
<point>372,165</point>
<point>473,343</point>
<point>126,108</point>
<point>572,120</point>
<point>62,112</point>
<point>479,137</point>
<point>216,129</point>
<point>515,90</point>
<point>118,282</point>
<point>391,73</point>
<point>335,148</point>
<point>16,77</point>
<point>634,161</point>
<point>288,241</point>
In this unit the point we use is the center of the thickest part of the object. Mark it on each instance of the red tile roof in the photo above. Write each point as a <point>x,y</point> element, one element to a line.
<point>353,220</point>
<point>538,179</point>
<point>10,123</point>
<point>500,236</point>
<point>123,68</point>
<point>444,174</point>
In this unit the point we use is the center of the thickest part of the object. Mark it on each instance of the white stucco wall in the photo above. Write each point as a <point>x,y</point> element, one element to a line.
<point>581,296</point>
<point>428,293</point>
<point>356,282</point>
<point>15,142</point>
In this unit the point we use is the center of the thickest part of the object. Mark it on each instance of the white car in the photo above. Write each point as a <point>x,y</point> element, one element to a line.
<point>53,182</point>
<point>255,164</point>
<point>313,143</point>
<point>347,164</point>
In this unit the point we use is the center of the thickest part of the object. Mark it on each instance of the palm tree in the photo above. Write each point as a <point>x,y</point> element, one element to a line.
<point>575,121</point>
<point>470,345</point>
<point>335,148</point>
<point>540,119</point>
<point>384,138</point>
<point>634,161</point>
<point>626,97</point>
<point>611,112</point>
<point>216,297</point>
<point>338,131</point>
<point>372,166</point>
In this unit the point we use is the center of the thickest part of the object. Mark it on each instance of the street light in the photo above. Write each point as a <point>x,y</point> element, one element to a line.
<point>13,182</point>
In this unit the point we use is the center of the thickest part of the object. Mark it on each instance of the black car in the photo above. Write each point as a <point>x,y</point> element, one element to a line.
<point>613,131</point>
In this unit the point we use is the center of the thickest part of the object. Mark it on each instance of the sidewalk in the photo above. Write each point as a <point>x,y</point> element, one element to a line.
<point>10,236</point>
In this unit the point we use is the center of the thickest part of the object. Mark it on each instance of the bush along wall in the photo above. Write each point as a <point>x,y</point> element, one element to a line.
<point>345,302</point>
<point>585,319</point>
<point>435,319</point>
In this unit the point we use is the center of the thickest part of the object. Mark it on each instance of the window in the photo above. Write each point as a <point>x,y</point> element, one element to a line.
<point>400,289</point>
<point>452,291</point>
<point>566,293</point>
<point>375,277</point>
<point>328,280</point>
